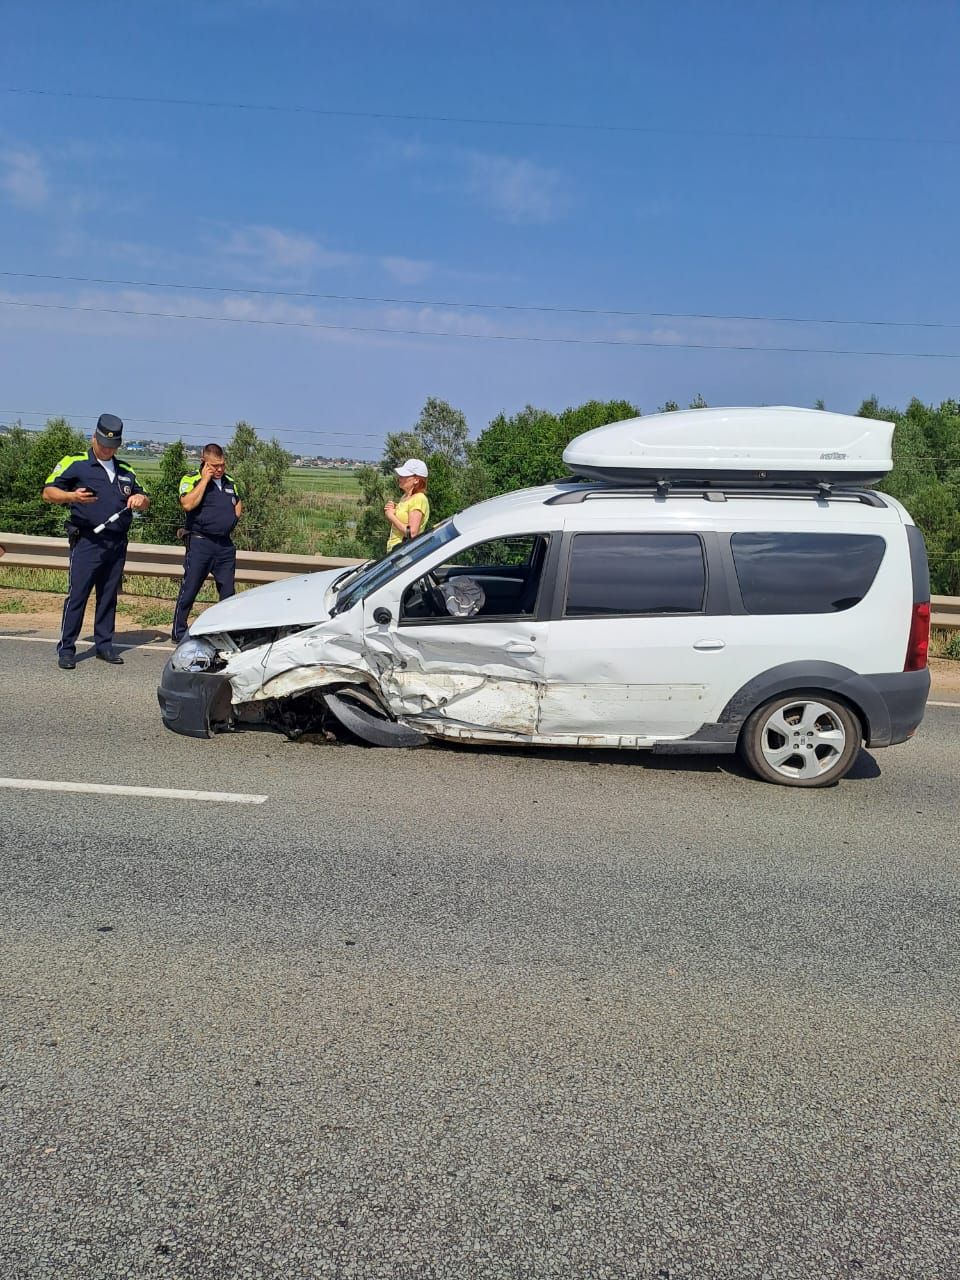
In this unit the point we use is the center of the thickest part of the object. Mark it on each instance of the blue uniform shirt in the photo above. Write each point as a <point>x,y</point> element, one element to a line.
<point>84,471</point>
<point>216,513</point>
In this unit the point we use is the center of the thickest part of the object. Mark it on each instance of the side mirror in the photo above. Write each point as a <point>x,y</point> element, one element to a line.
<point>382,616</point>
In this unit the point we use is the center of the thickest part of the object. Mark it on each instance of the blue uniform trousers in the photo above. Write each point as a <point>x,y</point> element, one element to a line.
<point>204,556</point>
<point>94,564</point>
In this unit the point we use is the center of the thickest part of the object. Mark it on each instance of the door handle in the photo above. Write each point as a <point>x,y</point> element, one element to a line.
<point>520,646</point>
<point>709,644</point>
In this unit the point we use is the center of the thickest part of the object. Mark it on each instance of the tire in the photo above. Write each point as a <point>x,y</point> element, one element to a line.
<point>801,739</point>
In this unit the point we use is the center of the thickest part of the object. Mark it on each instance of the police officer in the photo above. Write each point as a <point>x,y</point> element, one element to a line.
<point>102,493</point>
<point>212,502</point>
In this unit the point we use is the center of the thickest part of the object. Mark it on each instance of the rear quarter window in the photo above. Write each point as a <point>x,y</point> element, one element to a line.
<point>805,572</point>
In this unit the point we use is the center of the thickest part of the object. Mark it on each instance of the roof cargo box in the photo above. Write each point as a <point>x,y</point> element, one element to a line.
<point>780,445</point>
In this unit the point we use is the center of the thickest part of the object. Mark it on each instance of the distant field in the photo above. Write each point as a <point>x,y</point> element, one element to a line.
<point>324,480</point>
<point>329,480</point>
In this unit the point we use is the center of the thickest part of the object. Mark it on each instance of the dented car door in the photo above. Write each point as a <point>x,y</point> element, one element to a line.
<point>452,678</point>
<point>475,676</point>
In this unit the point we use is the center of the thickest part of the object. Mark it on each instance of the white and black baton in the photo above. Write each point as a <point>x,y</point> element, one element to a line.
<point>116,516</point>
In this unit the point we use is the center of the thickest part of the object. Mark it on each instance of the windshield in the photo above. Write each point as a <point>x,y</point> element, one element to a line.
<point>400,558</point>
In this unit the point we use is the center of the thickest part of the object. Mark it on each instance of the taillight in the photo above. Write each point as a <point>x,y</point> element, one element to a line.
<point>919,641</point>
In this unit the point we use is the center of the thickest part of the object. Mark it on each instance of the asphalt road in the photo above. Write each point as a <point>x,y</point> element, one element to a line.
<point>467,1013</point>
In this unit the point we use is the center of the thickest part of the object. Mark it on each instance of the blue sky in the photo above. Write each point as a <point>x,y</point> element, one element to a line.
<point>697,218</point>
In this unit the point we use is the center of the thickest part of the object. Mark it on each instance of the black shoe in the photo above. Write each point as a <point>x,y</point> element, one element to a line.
<point>111,656</point>
<point>66,663</point>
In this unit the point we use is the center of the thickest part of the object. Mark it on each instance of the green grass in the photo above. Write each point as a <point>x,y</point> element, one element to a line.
<point>55,580</point>
<point>326,480</point>
<point>16,604</point>
<point>944,643</point>
<point>155,615</point>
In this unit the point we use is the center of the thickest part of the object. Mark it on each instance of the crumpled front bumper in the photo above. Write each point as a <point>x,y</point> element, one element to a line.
<point>194,703</point>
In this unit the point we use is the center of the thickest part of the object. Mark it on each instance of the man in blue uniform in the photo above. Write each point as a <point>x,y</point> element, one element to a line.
<point>102,493</point>
<point>213,505</point>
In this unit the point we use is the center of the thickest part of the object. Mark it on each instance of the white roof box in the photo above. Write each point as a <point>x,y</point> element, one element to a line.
<point>780,445</point>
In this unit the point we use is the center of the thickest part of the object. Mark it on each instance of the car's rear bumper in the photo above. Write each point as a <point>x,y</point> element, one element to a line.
<point>194,703</point>
<point>904,694</point>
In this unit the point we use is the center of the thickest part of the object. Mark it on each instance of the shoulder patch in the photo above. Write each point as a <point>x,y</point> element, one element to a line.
<point>189,482</point>
<point>63,464</point>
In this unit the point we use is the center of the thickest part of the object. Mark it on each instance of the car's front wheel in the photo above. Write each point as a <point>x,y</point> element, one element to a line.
<point>801,740</point>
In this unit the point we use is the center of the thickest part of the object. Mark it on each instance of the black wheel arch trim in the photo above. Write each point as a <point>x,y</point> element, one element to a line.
<point>830,677</point>
<point>853,689</point>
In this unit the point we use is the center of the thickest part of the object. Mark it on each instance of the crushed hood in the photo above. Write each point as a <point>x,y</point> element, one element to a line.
<point>289,603</point>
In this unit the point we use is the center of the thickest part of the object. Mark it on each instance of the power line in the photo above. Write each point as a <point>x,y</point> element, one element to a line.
<point>209,426</point>
<point>476,306</point>
<point>484,337</point>
<point>409,117</point>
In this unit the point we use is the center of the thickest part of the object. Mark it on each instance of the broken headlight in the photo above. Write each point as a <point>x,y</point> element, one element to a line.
<point>194,655</point>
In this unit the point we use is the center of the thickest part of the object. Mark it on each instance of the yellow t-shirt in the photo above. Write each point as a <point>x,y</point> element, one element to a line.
<point>418,502</point>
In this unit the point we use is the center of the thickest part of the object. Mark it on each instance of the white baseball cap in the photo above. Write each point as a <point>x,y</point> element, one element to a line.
<point>412,467</point>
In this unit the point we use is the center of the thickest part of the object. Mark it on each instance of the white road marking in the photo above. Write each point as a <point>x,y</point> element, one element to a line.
<point>149,647</point>
<point>944,704</point>
<point>104,789</point>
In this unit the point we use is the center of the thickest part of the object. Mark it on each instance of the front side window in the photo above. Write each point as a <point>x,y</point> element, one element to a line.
<point>495,579</point>
<point>613,574</point>
<point>805,572</point>
<point>371,576</point>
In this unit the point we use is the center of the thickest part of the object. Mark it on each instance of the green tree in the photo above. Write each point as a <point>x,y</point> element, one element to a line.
<point>926,479</point>
<point>698,402</point>
<point>527,448</point>
<point>260,468</point>
<point>166,515</point>
<point>26,459</point>
<point>440,431</point>
<point>671,406</point>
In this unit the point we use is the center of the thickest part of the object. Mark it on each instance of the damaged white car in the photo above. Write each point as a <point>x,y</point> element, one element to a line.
<point>718,581</point>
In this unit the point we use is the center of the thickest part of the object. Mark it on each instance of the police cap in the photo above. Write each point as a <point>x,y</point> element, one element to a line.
<point>109,431</point>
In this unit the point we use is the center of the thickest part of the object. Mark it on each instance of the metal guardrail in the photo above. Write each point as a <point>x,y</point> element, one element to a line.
<point>155,560</point>
<point>152,559</point>
<point>945,612</point>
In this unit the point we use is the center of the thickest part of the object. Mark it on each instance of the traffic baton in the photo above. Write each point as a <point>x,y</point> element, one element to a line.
<point>116,516</point>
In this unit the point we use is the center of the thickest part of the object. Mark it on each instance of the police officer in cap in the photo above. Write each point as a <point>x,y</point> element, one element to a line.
<point>102,493</point>
<point>213,505</point>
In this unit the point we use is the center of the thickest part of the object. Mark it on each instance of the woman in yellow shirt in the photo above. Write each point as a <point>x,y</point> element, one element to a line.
<point>409,516</point>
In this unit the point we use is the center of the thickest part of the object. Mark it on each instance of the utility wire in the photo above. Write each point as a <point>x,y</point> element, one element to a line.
<point>476,306</point>
<point>409,117</point>
<point>210,426</point>
<point>485,337</point>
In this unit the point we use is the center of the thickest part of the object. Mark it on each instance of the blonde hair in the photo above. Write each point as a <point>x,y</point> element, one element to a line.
<point>419,484</point>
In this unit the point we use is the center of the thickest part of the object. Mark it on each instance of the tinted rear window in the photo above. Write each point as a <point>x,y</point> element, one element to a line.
<point>805,572</point>
<point>623,573</point>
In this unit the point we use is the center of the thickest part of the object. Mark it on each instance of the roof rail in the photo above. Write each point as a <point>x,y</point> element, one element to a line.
<point>664,489</point>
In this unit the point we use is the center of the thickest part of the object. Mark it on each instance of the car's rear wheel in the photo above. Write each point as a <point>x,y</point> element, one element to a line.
<point>801,740</point>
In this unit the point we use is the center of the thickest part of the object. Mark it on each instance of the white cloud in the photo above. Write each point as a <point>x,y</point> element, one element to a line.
<point>519,190</point>
<point>407,270</point>
<point>23,178</point>
<point>514,188</point>
<point>271,251</point>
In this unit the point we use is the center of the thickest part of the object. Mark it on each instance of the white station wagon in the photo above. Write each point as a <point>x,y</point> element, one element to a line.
<point>712,581</point>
